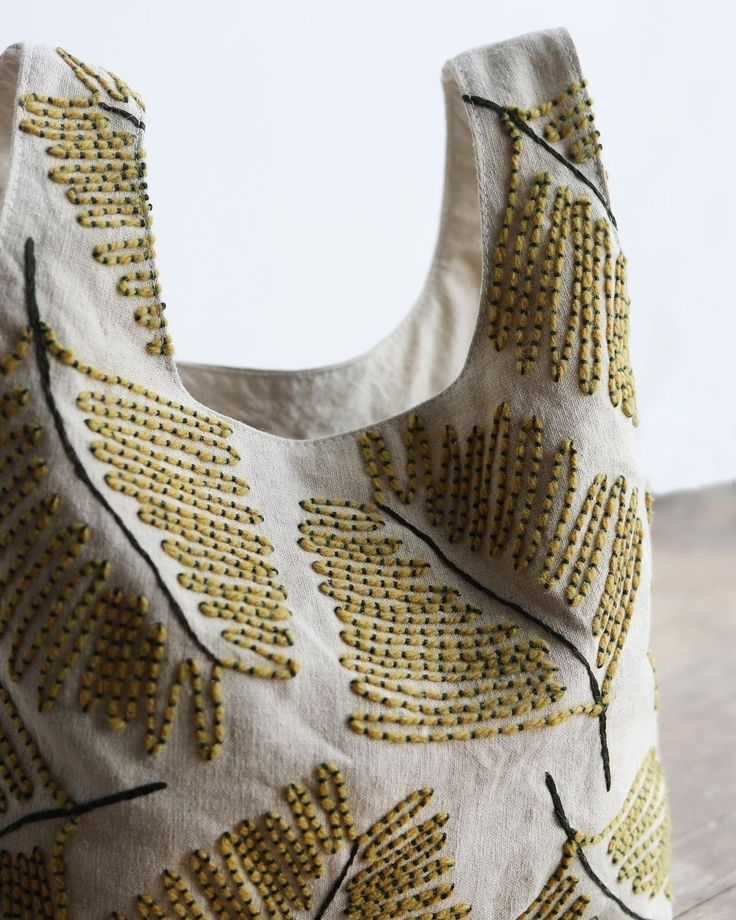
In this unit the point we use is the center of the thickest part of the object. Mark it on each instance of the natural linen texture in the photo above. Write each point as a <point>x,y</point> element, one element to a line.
<point>369,640</point>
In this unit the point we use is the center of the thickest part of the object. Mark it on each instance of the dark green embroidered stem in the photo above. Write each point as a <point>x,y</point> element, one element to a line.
<point>335,889</point>
<point>530,132</point>
<point>572,837</point>
<point>49,814</point>
<point>42,358</point>
<point>115,110</point>
<point>603,732</point>
<point>563,640</point>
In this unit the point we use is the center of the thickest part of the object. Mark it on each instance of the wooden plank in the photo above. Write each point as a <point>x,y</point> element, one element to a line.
<point>694,638</point>
<point>720,907</point>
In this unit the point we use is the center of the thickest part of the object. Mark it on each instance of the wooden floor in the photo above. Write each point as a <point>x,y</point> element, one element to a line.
<point>694,642</point>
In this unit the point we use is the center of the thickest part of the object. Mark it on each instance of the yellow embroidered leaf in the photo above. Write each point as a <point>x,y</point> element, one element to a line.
<point>557,284</point>
<point>504,492</point>
<point>34,884</point>
<point>268,868</point>
<point>177,464</point>
<point>427,664</point>
<point>559,899</point>
<point>636,842</point>
<point>567,118</point>
<point>638,839</point>
<point>70,630</point>
<point>104,172</point>
<point>24,774</point>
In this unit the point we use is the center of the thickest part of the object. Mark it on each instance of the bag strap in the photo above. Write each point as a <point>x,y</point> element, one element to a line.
<point>556,306</point>
<point>77,187</point>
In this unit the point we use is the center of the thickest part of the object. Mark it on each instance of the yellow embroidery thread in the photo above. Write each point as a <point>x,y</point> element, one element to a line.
<point>558,900</point>
<point>502,492</point>
<point>546,236</point>
<point>63,619</point>
<point>568,118</point>
<point>267,868</point>
<point>32,885</point>
<point>104,170</point>
<point>637,842</point>
<point>638,838</point>
<point>175,463</point>
<point>434,669</point>
<point>655,678</point>
<point>18,747</point>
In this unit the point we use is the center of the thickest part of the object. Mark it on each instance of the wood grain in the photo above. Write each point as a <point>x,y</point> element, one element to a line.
<point>694,642</point>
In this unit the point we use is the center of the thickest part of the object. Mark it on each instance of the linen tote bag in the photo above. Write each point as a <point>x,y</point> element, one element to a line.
<point>369,640</point>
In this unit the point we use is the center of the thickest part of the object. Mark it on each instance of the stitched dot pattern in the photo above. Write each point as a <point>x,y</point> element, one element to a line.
<point>23,771</point>
<point>558,290</point>
<point>558,900</point>
<point>504,493</point>
<point>649,505</point>
<point>98,81</point>
<point>397,861</point>
<point>175,463</point>
<point>636,843</point>
<point>568,121</point>
<point>34,885</point>
<point>31,885</point>
<point>104,171</point>
<point>43,573</point>
<point>638,839</point>
<point>430,666</point>
<point>70,630</point>
<point>267,868</point>
<point>504,505</point>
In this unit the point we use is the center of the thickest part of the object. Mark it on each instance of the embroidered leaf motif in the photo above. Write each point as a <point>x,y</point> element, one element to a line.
<point>176,463</point>
<point>68,628</point>
<point>99,82</point>
<point>268,868</point>
<point>431,666</point>
<point>104,170</point>
<point>34,884</point>
<point>398,861</point>
<point>638,839</point>
<point>559,899</point>
<point>25,778</point>
<point>504,493</point>
<point>637,843</point>
<point>31,884</point>
<point>548,236</point>
<point>568,120</point>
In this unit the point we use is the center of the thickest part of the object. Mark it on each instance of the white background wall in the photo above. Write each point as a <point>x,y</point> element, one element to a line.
<point>296,156</point>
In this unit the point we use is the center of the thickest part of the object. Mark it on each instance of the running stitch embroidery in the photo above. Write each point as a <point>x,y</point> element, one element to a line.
<point>19,784</point>
<point>174,462</point>
<point>35,884</point>
<point>500,492</point>
<point>637,843</point>
<point>26,782</point>
<point>105,173</point>
<point>559,899</point>
<point>538,248</point>
<point>568,118</point>
<point>67,625</point>
<point>504,493</point>
<point>406,636</point>
<point>268,867</point>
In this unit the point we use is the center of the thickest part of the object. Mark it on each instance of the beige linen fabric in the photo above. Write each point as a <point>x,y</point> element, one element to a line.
<point>153,688</point>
